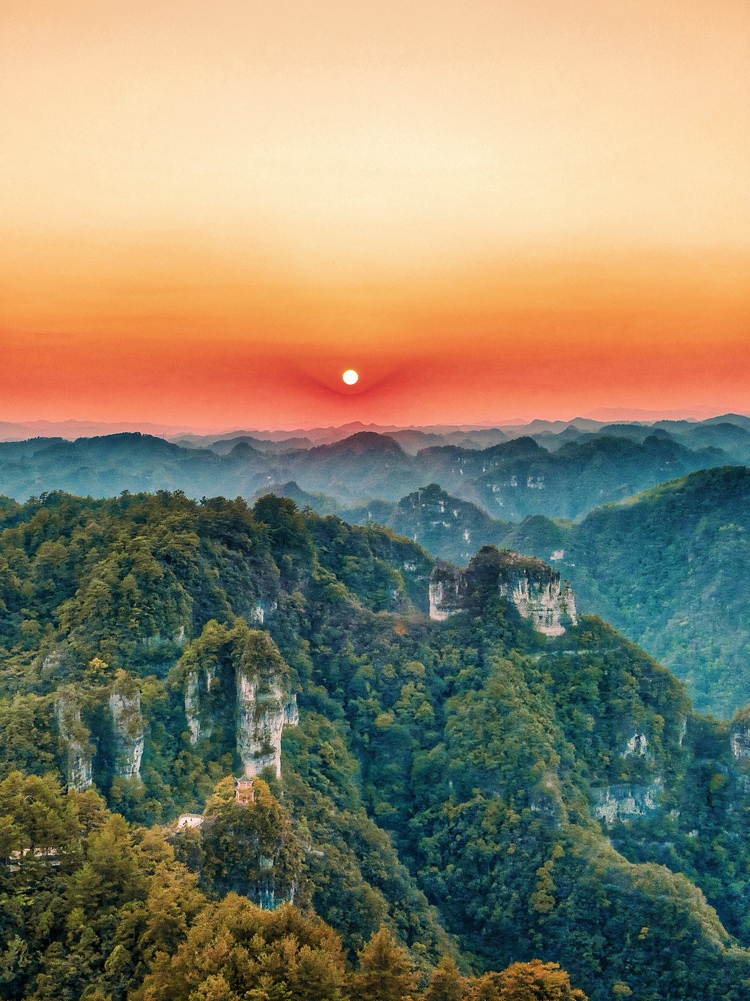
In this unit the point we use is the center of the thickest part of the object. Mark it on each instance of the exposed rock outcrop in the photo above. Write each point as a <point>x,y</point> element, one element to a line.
<point>291,712</point>
<point>624,802</point>
<point>127,723</point>
<point>260,720</point>
<point>533,587</point>
<point>264,705</point>
<point>637,745</point>
<point>192,706</point>
<point>261,611</point>
<point>448,590</point>
<point>75,735</point>
<point>740,735</point>
<point>536,593</point>
<point>197,682</point>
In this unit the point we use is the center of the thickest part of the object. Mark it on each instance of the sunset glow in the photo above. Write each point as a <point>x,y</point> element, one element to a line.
<point>498,210</point>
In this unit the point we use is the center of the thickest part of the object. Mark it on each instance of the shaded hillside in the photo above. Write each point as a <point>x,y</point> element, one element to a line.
<point>519,478</point>
<point>459,778</point>
<point>666,568</point>
<point>669,569</point>
<point>448,527</point>
<point>509,480</point>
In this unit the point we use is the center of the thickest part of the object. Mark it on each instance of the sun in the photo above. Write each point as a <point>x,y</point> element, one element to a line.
<point>350,377</point>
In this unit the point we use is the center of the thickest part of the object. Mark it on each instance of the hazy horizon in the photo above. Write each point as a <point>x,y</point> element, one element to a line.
<point>604,415</point>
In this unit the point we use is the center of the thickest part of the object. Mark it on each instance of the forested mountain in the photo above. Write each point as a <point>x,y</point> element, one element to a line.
<point>666,567</point>
<point>485,791</point>
<point>669,569</point>
<point>509,480</point>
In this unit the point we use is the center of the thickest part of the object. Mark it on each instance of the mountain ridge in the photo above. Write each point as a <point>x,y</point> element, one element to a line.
<point>470,771</point>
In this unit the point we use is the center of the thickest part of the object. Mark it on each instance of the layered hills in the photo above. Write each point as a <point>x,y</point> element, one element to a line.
<point>510,480</point>
<point>485,789</point>
<point>517,493</point>
<point>665,567</point>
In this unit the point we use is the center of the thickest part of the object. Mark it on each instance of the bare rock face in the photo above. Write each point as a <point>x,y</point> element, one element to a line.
<point>261,611</point>
<point>448,590</point>
<point>76,737</point>
<point>197,684</point>
<point>533,587</point>
<point>637,745</point>
<point>739,735</point>
<point>741,744</point>
<point>291,712</point>
<point>625,802</point>
<point>192,706</point>
<point>260,720</point>
<point>264,704</point>
<point>127,722</point>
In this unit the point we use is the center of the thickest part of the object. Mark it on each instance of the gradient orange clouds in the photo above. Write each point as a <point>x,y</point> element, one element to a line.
<point>490,210</point>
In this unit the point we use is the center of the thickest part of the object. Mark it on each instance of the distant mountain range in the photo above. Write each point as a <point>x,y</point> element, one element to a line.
<point>446,433</point>
<point>557,473</point>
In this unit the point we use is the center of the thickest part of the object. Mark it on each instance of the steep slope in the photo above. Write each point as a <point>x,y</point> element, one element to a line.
<point>669,569</point>
<point>521,478</point>
<point>463,776</point>
<point>446,526</point>
<point>666,568</point>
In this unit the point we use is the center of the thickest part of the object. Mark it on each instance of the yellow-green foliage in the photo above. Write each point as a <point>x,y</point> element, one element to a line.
<point>439,785</point>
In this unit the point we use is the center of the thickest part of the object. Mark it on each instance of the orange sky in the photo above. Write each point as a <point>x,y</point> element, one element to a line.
<point>489,209</point>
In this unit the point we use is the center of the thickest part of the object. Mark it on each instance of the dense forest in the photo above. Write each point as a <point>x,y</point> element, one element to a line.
<point>665,567</point>
<point>453,798</point>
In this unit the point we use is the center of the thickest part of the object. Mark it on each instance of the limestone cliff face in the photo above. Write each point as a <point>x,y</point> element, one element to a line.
<point>237,675</point>
<point>536,592</point>
<point>291,712</point>
<point>448,590</point>
<point>261,611</point>
<point>740,737</point>
<point>637,745</point>
<point>260,720</point>
<point>127,723</point>
<point>264,705</point>
<point>533,587</point>
<point>192,706</point>
<point>76,738</point>
<point>197,688</point>
<point>625,802</point>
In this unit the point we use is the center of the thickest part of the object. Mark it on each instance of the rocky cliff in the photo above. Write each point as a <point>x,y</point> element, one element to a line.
<point>127,723</point>
<point>533,587</point>
<point>197,690</point>
<point>237,676</point>
<point>264,702</point>
<point>260,720</point>
<point>626,802</point>
<point>75,735</point>
<point>739,735</point>
<point>448,590</point>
